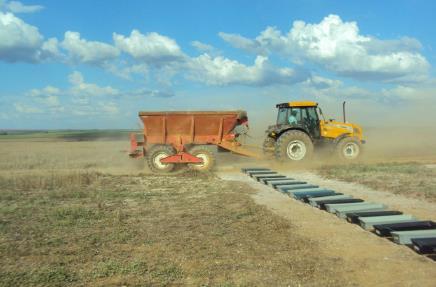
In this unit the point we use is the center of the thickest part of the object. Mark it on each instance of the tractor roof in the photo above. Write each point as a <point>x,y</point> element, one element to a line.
<point>297,104</point>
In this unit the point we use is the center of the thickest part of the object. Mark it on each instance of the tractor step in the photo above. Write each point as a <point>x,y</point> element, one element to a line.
<point>386,229</point>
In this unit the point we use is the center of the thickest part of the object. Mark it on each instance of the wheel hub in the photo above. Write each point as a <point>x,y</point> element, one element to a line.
<point>351,150</point>
<point>157,160</point>
<point>296,150</point>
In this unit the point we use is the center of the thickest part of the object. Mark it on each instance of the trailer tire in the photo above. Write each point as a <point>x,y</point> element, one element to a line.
<point>155,154</point>
<point>294,146</point>
<point>349,149</point>
<point>268,147</point>
<point>206,154</point>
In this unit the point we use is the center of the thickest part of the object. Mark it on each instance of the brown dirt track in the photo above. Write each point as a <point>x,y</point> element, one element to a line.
<point>365,259</point>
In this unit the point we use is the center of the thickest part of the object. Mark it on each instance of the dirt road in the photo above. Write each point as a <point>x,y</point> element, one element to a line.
<point>368,259</point>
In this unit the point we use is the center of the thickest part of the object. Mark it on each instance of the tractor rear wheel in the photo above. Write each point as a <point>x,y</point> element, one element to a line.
<point>295,146</point>
<point>349,148</point>
<point>206,154</point>
<point>268,146</point>
<point>156,154</point>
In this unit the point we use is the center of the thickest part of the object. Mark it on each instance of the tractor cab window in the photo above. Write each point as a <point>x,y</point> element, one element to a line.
<point>282,117</point>
<point>294,117</point>
<point>312,115</point>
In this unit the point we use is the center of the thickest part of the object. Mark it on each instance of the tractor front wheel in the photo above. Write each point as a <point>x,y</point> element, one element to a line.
<point>295,146</point>
<point>156,154</point>
<point>206,155</point>
<point>349,149</point>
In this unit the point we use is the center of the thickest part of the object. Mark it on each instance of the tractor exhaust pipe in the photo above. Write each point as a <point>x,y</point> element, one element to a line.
<point>343,111</point>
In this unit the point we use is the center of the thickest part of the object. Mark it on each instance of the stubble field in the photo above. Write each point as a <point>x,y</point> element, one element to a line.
<point>82,213</point>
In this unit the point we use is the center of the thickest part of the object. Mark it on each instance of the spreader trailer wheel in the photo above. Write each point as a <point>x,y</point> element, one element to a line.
<point>206,155</point>
<point>156,154</point>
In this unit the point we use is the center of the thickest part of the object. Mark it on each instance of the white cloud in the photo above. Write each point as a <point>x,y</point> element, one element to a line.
<point>339,47</point>
<point>81,89</point>
<point>88,52</point>
<point>18,7</point>
<point>152,47</point>
<point>241,42</point>
<point>27,109</point>
<point>48,96</point>
<point>19,41</point>
<point>223,71</point>
<point>319,82</point>
<point>205,48</point>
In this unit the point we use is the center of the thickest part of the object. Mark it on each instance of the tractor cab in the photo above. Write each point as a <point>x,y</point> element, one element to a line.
<point>300,115</point>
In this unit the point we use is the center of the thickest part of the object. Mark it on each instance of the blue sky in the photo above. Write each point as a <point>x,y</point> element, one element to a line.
<point>95,64</point>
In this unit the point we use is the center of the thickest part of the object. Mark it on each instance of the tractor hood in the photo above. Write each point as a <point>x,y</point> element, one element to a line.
<point>335,129</point>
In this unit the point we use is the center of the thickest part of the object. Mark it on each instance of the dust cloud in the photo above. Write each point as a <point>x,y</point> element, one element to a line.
<point>403,131</point>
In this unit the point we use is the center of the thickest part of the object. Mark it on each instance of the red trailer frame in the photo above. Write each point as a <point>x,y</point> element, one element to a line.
<point>183,129</point>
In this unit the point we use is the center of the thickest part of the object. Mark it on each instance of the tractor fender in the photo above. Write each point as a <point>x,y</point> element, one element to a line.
<point>282,131</point>
<point>341,137</point>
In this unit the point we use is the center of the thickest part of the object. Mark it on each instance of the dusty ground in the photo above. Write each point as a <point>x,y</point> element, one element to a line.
<point>75,214</point>
<point>82,213</point>
<point>367,260</point>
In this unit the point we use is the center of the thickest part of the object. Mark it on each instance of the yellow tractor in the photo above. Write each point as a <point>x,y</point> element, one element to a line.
<point>301,127</point>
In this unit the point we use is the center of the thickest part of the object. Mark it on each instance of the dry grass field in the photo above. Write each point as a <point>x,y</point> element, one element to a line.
<point>410,179</point>
<point>82,213</point>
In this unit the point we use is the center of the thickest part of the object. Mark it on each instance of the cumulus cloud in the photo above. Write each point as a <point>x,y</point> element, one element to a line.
<point>18,7</point>
<point>83,90</point>
<point>19,41</point>
<point>223,71</point>
<point>339,47</point>
<point>88,52</point>
<point>152,48</point>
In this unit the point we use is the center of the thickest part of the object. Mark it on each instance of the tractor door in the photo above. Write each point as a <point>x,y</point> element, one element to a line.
<point>311,122</point>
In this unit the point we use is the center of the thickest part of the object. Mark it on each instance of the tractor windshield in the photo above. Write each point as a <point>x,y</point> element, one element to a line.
<point>289,116</point>
<point>282,117</point>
